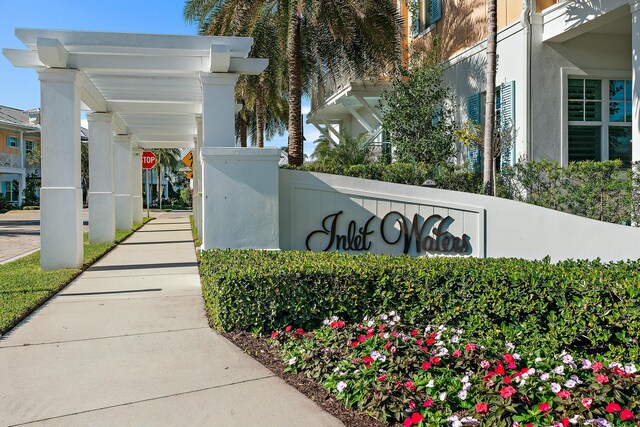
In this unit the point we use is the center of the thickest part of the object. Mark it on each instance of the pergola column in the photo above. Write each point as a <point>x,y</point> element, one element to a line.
<point>635,66</point>
<point>136,185</point>
<point>240,185</point>
<point>122,170</point>
<point>197,176</point>
<point>60,193</point>
<point>102,222</point>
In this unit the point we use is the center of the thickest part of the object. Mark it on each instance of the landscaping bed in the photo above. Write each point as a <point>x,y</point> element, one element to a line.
<point>556,315</point>
<point>24,286</point>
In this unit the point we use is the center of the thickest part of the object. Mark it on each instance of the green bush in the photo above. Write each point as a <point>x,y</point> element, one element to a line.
<point>579,306</point>
<point>31,208</point>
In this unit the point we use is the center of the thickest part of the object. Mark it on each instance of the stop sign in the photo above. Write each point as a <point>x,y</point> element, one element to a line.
<point>148,160</point>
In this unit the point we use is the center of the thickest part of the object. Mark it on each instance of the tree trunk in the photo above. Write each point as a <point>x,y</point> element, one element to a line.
<point>490,103</point>
<point>242,124</point>
<point>295,85</point>
<point>260,113</point>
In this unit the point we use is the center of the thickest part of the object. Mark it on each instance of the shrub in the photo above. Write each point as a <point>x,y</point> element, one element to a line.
<point>185,196</point>
<point>579,306</point>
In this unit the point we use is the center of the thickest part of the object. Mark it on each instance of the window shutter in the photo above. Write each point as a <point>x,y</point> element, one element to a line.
<point>415,19</point>
<point>473,114</point>
<point>508,118</point>
<point>436,11</point>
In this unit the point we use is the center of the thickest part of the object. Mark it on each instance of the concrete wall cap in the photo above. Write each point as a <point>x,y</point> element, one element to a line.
<point>243,154</point>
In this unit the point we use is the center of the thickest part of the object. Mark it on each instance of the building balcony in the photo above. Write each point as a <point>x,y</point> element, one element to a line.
<point>11,161</point>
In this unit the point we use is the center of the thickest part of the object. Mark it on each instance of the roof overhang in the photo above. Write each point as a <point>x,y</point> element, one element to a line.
<point>151,82</point>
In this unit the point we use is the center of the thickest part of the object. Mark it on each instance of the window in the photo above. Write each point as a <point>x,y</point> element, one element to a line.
<point>424,14</point>
<point>599,116</point>
<point>12,141</point>
<point>28,146</point>
<point>10,190</point>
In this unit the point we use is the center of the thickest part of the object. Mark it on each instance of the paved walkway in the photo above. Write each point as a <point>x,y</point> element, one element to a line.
<point>127,344</point>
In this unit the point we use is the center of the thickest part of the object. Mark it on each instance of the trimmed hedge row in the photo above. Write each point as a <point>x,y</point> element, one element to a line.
<point>579,306</point>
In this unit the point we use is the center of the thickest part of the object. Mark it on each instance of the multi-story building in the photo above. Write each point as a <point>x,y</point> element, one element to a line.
<point>19,136</point>
<point>565,76</point>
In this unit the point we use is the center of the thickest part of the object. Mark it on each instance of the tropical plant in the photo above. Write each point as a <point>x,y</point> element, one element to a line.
<point>350,151</point>
<point>342,38</point>
<point>490,101</point>
<point>166,159</point>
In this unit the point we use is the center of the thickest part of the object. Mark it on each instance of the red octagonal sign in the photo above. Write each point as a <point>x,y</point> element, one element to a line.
<point>148,160</point>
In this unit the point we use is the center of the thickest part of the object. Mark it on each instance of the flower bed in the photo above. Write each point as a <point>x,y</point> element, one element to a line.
<point>441,376</point>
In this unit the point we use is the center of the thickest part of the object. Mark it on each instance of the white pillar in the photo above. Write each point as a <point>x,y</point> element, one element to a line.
<point>197,176</point>
<point>22,185</point>
<point>122,177</point>
<point>635,65</point>
<point>136,185</point>
<point>102,211</point>
<point>218,109</point>
<point>60,193</point>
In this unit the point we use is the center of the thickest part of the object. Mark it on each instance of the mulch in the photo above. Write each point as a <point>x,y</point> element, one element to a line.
<point>264,353</point>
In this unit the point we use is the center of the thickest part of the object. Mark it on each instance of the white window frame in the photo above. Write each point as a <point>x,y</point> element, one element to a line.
<point>603,75</point>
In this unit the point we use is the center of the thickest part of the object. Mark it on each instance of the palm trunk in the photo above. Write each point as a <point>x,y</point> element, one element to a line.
<point>260,113</point>
<point>242,124</point>
<point>295,85</point>
<point>490,105</point>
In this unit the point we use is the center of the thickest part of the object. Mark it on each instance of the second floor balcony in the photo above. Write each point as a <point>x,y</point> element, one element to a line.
<point>10,160</point>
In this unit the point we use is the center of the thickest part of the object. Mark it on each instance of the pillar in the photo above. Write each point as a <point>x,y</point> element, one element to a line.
<point>136,185</point>
<point>60,193</point>
<point>22,185</point>
<point>102,211</point>
<point>635,65</point>
<point>197,176</point>
<point>122,181</point>
<point>239,185</point>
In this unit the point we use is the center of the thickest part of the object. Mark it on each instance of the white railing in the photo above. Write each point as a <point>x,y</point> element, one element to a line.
<point>10,160</point>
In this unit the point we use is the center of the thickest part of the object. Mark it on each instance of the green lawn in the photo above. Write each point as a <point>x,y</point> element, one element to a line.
<point>24,286</point>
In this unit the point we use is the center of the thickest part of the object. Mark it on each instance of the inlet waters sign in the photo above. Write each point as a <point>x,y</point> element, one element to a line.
<point>417,235</point>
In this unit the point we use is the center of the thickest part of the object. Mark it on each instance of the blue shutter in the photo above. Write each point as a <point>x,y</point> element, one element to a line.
<point>473,114</point>
<point>415,19</point>
<point>436,11</point>
<point>508,117</point>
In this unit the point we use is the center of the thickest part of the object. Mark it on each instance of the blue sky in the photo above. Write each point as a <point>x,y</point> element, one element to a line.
<point>19,87</point>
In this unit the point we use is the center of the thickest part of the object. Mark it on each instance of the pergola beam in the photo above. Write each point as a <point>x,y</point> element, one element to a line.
<point>52,53</point>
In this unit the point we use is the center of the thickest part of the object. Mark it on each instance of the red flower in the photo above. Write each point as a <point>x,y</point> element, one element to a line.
<point>414,333</point>
<point>274,335</point>
<point>416,417</point>
<point>528,425</point>
<point>354,344</point>
<point>613,407</point>
<point>506,380</point>
<point>626,415</point>
<point>596,366</point>
<point>412,405</point>
<point>300,331</point>
<point>381,327</point>
<point>431,341</point>
<point>362,338</point>
<point>288,328</point>
<point>499,369</point>
<point>410,385</point>
<point>565,421</point>
<point>544,407</point>
<point>507,392</point>
<point>367,360</point>
<point>426,366</point>
<point>470,347</point>
<point>586,402</point>
<point>382,378</point>
<point>387,345</point>
<point>457,353</point>
<point>407,422</point>
<point>419,342</point>
<point>428,403</point>
<point>508,358</point>
<point>564,394</point>
<point>601,379</point>
<point>482,408</point>
<point>512,365</point>
<point>434,360</point>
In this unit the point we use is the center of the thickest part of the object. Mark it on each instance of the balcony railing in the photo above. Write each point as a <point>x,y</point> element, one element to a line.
<point>10,160</point>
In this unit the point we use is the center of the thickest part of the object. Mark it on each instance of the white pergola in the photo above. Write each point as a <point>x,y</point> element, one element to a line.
<point>143,91</point>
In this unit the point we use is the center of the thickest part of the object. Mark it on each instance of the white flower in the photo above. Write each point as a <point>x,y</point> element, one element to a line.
<point>391,322</point>
<point>386,335</point>
<point>396,318</point>
<point>341,386</point>
<point>567,359</point>
<point>326,322</point>
<point>462,394</point>
<point>370,323</point>
<point>538,360</point>
<point>614,365</point>
<point>454,339</point>
<point>429,384</point>
<point>442,328</point>
<point>383,317</point>
<point>555,387</point>
<point>469,420</point>
<point>576,379</point>
<point>392,313</point>
<point>570,384</point>
<point>516,356</point>
<point>586,364</point>
<point>541,388</point>
<point>509,346</point>
<point>292,360</point>
<point>559,370</point>
<point>466,386</point>
<point>465,379</point>
<point>630,368</point>
<point>443,396</point>
<point>334,318</point>
<point>544,376</point>
<point>574,419</point>
<point>443,352</point>
<point>531,371</point>
<point>375,355</point>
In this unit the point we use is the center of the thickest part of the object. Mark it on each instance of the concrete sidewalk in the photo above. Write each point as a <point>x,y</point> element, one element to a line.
<point>127,344</point>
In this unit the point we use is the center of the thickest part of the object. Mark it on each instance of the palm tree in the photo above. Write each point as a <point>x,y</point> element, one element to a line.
<point>166,159</point>
<point>343,38</point>
<point>490,103</point>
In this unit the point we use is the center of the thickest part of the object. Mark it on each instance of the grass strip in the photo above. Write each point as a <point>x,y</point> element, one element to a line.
<point>24,286</point>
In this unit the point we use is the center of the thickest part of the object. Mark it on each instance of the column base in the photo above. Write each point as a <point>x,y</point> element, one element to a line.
<point>124,215</point>
<point>137,209</point>
<point>102,217</point>
<point>61,228</point>
<point>240,198</point>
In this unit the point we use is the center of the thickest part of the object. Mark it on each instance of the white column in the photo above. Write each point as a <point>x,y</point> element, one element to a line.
<point>122,176</point>
<point>136,185</point>
<point>22,185</point>
<point>197,175</point>
<point>102,211</point>
<point>60,193</point>
<point>635,65</point>
<point>218,109</point>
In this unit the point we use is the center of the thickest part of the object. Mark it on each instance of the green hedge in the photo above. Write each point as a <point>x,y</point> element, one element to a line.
<point>579,306</point>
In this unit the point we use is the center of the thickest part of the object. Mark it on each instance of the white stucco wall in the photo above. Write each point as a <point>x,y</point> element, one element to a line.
<point>496,227</point>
